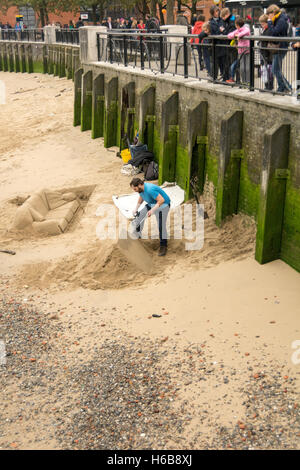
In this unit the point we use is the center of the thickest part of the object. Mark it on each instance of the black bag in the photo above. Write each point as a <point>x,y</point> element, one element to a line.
<point>151,172</point>
<point>140,157</point>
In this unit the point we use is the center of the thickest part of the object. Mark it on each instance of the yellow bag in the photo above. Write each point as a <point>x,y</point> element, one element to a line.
<point>126,156</point>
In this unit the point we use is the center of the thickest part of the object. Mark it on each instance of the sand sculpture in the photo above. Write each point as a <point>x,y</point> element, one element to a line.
<point>47,212</point>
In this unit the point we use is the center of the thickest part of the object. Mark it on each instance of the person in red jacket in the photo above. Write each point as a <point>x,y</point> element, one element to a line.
<point>197,29</point>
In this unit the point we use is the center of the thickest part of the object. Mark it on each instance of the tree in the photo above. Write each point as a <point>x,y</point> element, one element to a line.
<point>170,11</point>
<point>192,7</point>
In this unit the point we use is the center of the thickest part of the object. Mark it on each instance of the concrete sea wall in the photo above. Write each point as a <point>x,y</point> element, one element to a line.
<point>246,144</point>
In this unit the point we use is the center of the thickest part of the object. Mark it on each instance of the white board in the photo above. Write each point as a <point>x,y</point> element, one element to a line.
<point>127,203</point>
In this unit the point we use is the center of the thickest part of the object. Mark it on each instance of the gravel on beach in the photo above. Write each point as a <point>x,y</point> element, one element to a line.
<point>127,392</point>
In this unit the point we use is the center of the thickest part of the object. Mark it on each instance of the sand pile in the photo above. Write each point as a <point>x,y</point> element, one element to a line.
<point>103,265</point>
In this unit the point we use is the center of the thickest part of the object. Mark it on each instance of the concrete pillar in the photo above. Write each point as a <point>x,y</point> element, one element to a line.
<point>229,165</point>
<point>16,57</point>
<point>45,59</point>
<point>11,63</point>
<point>86,101</point>
<point>69,63</point>
<point>62,62</point>
<point>50,60</point>
<point>75,61</point>
<point>272,193</point>
<point>1,57</point>
<point>168,136</point>
<point>49,34</point>
<point>98,107</point>
<point>111,113</point>
<point>88,42</point>
<point>77,96</point>
<point>56,56</point>
<point>147,116</point>
<point>196,146</point>
<point>22,58</point>
<point>174,42</point>
<point>127,115</point>
<point>5,58</point>
<point>29,59</point>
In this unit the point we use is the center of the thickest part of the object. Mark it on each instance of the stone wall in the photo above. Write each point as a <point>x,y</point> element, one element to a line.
<point>228,136</point>
<point>20,56</point>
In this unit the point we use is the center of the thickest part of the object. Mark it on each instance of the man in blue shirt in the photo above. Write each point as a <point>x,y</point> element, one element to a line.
<point>158,203</point>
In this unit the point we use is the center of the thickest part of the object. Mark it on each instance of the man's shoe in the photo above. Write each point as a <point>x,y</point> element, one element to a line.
<point>162,251</point>
<point>230,81</point>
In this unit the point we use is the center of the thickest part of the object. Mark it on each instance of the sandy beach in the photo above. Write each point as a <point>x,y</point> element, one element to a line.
<point>88,366</point>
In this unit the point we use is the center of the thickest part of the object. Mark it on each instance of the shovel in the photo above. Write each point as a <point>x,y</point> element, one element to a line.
<point>194,191</point>
<point>134,251</point>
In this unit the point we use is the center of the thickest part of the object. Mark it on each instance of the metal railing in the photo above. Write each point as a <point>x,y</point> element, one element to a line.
<point>267,64</point>
<point>32,35</point>
<point>67,36</point>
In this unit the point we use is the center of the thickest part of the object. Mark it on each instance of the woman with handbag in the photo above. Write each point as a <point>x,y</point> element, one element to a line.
<point>278,27</point>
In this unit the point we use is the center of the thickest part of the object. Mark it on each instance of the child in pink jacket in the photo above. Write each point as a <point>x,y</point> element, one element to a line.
<point>241,30</point>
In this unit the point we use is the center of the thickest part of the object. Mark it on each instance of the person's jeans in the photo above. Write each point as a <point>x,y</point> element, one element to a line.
<point>199,50</point>
<point>245,68</point>
<point>233,68</point>
<point>206,58</point>
<point>283,84</point>
<point>161,215</point>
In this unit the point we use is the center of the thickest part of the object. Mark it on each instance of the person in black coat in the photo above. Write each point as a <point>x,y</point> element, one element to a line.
<point>278,27</point>
<point>230,53</point>
<point>266,54</point>
<point>216,24</point>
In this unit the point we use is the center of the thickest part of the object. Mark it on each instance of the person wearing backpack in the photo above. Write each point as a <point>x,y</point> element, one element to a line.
<point>158,203</point>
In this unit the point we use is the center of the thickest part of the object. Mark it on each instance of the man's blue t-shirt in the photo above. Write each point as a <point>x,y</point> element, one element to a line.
<point>150,193</point>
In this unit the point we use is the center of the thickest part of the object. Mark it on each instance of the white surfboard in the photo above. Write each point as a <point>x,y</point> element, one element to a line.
<point>126,203</point>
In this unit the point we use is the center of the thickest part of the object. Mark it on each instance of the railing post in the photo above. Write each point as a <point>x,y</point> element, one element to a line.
<point>185,58</point>
<point>125,50</point>
<point>98,47</point>
<point>142,52</point>
<point>298,73</point>
<point>214,61</point>
<point>110,48</point>
<point>161,55</point>
<point>252,65</point>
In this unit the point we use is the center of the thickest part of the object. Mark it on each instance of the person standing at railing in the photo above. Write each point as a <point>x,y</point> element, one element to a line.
<point>141,25</point>
<point>243,59</point>
<point>206,46</point>
<point>278,27</point>
<point>296,47</point>
<point>228,25</point>
<point>266,54</point>
<point>197,29</point>
<point>71,25</point>
<point>215,24</point>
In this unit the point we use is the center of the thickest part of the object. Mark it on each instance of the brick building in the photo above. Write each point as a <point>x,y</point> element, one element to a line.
<point>31,18</point>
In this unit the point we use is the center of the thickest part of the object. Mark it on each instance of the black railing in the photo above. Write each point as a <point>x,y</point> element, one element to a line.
<point>32,35</point>
<point>269,64</point>
<point>67,36</point>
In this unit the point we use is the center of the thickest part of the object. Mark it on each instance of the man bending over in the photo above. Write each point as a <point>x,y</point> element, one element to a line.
<point>158,203</point>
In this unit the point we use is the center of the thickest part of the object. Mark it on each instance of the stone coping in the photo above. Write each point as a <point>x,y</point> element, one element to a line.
<point>288,103</point>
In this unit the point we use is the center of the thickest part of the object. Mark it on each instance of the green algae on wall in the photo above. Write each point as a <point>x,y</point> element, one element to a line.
<point>248,192</point>
<point>290,243</point>
<point>110,125</point>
